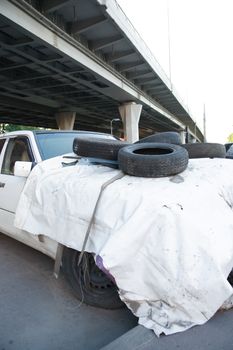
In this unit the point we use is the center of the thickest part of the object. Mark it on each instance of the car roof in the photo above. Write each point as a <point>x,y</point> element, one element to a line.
<point>37,132</point>
<point>69,131</point>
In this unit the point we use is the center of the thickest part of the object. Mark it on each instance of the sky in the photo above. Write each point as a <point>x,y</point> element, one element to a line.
<point>201,54</point>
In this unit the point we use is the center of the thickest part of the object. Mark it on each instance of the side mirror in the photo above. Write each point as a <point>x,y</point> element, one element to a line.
<point>22,169</point>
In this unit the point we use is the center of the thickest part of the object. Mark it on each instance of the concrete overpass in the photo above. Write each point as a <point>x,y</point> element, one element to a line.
<point>65,58</point>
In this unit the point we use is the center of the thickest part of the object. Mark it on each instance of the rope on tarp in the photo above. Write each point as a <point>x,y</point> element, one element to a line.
<point>106,184</point>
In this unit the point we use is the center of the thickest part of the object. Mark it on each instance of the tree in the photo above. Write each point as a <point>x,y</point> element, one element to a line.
<point>230,137</point>
<point>13,127</point>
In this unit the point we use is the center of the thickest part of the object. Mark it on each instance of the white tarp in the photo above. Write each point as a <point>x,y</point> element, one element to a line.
<point>168,242</point>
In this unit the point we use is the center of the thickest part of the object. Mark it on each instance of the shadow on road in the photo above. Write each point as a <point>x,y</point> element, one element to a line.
<point>39,312</point>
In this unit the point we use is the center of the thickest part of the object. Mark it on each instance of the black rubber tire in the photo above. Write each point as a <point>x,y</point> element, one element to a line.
<point>89,283</point>
<point>228,145</point>
<point>229,154</point>
<point>163,137</point>
<point>153,159</point>
<point>97,147</point>
<point>205,150</point>
<point>230,278</point>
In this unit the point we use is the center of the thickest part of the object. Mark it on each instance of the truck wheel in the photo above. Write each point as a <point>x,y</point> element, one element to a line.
<point>163,137</point>
<point>89,283</point>
<point>153,159</point>
<point>97,147</point>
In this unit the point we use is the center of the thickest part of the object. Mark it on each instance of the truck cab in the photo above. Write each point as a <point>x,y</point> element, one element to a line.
<point>26,149</point>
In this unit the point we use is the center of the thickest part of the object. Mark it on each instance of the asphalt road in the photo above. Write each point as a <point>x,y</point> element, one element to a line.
<point>216,334</point>
<point>38,312</point>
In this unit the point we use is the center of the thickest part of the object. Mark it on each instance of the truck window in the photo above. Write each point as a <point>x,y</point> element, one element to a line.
<point>18,149</point>
<point>54,144</point>
<point>2,141</point>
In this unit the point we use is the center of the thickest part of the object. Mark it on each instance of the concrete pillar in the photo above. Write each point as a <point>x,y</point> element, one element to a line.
<point>130,114</point>
<point>183,136</point>
<point>65,120</point>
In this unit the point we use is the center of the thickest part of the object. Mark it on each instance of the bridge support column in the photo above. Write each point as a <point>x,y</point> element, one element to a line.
<point>183,136</point>
<point>65,120</point>
<point>130,114</point>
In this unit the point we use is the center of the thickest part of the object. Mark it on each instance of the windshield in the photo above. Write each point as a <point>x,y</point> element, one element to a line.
<point>55,144</point>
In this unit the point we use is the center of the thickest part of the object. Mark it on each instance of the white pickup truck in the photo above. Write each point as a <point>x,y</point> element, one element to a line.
<point>20,151</point>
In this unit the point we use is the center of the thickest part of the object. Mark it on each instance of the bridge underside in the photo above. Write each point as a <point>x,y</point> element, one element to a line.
<point>40,77</point>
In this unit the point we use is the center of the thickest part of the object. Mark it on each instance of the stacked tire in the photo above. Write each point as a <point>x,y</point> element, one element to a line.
<point>163,137</point>
<point>94,147</point>
<point>229,154</point>
<point>153,159</point>
<point>157,155</point>
<point>205,150</point>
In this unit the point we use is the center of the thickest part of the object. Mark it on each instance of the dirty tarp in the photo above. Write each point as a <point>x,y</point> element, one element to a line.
<point>168,242</point>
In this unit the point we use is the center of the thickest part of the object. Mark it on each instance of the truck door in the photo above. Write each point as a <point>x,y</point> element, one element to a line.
<point>18,149</point>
